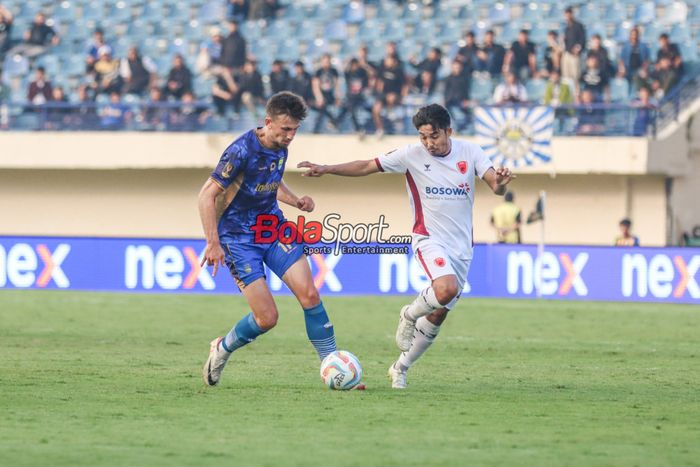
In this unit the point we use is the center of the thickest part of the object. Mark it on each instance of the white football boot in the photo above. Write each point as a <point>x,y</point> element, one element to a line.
<point>215,363</point>
<point>398,377</point>
<point>405,331</point>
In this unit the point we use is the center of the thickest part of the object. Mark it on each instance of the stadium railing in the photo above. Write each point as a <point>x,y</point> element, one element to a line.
<point>572,120</point>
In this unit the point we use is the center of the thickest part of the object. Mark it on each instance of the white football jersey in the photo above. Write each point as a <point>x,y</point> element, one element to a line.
<point>441,191</point>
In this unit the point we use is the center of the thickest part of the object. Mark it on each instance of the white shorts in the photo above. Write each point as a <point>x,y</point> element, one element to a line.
<point>436,261</point>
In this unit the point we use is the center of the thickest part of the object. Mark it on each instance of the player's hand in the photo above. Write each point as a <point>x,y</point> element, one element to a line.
<point>213,256</point>
<point>315,170</point>
<point>504,176</point>
<point>305,203</point>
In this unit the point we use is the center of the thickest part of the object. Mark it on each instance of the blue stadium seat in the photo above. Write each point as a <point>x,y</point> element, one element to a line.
<point>535,89</point>
<point>645,13</point>
<point>619,90</point>
<point>482,89</point>
<point>499,13</point>
<point>675,13</point>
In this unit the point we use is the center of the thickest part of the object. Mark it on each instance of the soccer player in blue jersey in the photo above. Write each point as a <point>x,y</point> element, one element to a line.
<point>247,183</point>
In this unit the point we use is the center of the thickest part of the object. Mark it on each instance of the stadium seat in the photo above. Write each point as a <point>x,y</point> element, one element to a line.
<point>482,89</point>
<point>619,90</point>
<point>645,13</point>
<point>535,89</point>
<point>499,13</point>
<point>675,13</point>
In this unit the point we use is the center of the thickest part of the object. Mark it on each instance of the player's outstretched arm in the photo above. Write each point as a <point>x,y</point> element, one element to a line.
<point>213,253</point>
<point>348,169</point>
<point>498,178</point>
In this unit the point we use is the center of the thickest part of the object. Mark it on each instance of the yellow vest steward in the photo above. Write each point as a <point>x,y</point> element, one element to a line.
<point>505,216</point>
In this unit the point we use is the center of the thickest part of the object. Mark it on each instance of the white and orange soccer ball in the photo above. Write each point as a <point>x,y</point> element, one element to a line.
<point>341,370</point>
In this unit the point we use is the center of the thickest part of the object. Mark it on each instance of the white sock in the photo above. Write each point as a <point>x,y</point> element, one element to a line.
<point>426,333</point>
<point>424,304</point>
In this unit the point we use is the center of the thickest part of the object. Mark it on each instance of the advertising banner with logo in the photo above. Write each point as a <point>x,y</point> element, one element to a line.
<point>563,272</point>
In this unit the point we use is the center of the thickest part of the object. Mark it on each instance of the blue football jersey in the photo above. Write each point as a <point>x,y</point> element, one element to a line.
<point>250,175</point>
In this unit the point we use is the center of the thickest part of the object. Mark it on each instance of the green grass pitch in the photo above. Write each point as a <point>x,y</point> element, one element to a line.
<point>111,379</point>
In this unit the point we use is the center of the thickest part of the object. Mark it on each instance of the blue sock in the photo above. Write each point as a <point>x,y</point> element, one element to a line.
<point>320,330</point>
<point>244,332</point>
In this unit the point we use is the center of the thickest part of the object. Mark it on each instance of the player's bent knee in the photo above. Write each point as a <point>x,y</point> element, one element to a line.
<point>267,321</point>
<point>311,298</point>
<point>446,291</point>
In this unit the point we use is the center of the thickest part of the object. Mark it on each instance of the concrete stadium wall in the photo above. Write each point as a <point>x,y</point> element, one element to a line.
<point>145,185</point>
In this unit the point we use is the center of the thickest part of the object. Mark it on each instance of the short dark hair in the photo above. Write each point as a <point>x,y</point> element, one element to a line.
<point>663,35</point>
<point>626,222</point>
<point>510,196</point>
<point>286,103</point>
<point>569,9</point>
<point>433,114</point>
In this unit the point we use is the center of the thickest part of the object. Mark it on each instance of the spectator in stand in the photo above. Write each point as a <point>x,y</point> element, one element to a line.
<point>4,110</point>
<point>59,115</point>
<point>6,19</point>
<point>490,56</point>
<point>521,59</point>
<point>357,85</point>
<point>190,116</point>
<point>427,71</point>
<point>366,64</point>
<point>93,49</point>
<point>574,46</point>
<point>251,91</point>
<point>300,83</point>
<point>392,50</point>
<point>38,38</point>
<point>237,10</point>
<point>107,70</point>
<point>645,112</point>
<point>456,93</point>
<point>597,50</point>
<point>225,94</point>
<point>40,90</point>
<point>467,54</point>
<point>634,56</point>
<point>595,79</point>
<point>643,79</point>
<point>391,87</point>
<point>556,92</point>
<point>155,114</point>
<point>664,77</point>
<point>510,91</point>
<point>671,51</point>
<point>552,54</point>
<point>179,79</point>
<point>326,87</point>
<point>84,114</point>
<point>262,9</point>
<point>115,114</point>
<point>626,238</point>
<point>591,119</point>
<point>138,73</point>
<point>233,50</point>
<point>208,62</point>
<point>279,77</point>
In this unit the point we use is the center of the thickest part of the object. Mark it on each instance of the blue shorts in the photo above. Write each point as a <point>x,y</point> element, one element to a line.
<point>246,260</point>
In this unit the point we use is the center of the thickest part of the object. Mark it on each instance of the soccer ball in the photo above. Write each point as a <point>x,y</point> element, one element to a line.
<point>341,370</point>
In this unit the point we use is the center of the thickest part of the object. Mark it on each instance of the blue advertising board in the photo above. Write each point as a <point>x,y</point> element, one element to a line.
<point>167,265</point>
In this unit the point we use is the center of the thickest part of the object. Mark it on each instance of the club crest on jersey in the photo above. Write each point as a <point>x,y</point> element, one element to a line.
<point>226,172</point>
<point>273,166</point>
<point>280,163</point>
<point>462,167</point>
<point>440,262</point>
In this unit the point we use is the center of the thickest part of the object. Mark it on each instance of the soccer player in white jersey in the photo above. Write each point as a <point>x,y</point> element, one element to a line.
<point>440,176</point>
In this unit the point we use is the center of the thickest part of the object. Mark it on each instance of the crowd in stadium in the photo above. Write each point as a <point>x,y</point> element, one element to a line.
<point>572,68</point>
